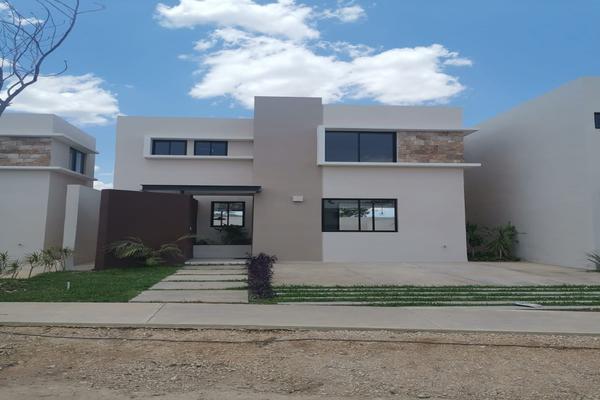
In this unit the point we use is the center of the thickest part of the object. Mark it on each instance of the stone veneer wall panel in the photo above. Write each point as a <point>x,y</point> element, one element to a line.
<point>25,151</point>
<point>431,147</point>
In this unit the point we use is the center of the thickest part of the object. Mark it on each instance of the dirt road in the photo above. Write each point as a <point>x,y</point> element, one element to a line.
<point>302,365</point>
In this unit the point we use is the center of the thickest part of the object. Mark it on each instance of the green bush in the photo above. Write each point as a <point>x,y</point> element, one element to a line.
<point>492,244</point>
<point>260,276</point>
<point>134,249</point>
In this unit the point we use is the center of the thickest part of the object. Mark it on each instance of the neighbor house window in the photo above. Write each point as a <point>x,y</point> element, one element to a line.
<point>169,147</point>
<point>359,215</point>
<point>597,120</point>
<point>210,148</point>
<point>227,213</point>
<point>77,162</point>
<point>345,146</point>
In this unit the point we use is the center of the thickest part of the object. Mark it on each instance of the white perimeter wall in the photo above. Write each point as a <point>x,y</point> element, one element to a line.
<point>541,171</point>
<point>23,207</point>
<point>431,214</point>
<point>82,211</point>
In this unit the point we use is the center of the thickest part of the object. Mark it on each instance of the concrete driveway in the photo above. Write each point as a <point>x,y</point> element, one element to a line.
<point>468,273</point>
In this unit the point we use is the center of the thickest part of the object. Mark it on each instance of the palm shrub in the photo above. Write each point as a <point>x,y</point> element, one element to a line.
<point>4,261</point>
<point>501,241</point>
<point>594,258</point>
<point>260,276</point>
<point>13,268</point>
<point>33,259</point>
<point>474,240</point>
<point>135,249</point>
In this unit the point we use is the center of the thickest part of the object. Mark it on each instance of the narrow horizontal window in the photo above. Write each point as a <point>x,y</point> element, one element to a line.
<point>359,215</point>
<point>344,146</point>
<point>77,161</point>
<point>228,213</point>
<point>597,120</point>
<point>210,148</point>
<point>169,147</point>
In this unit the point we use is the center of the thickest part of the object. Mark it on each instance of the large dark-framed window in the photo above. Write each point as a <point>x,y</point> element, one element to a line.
<point>597,120</point>
<point>228,213</point>
<point>360,146</point>
<point>210,148</point>
<point>165,147</point>
<point>77,161</point>
<point>359,215</point>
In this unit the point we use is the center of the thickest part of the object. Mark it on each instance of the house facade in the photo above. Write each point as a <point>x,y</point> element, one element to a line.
<point>541,171</point>
<point>40,156</point>
<point>310,182</point>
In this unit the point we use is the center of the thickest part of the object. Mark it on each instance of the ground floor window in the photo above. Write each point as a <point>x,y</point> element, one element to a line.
<point>359,215</point>
<point>228,213</point>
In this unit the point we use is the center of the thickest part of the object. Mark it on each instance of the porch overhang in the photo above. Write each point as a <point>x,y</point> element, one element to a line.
<point>207,190</point>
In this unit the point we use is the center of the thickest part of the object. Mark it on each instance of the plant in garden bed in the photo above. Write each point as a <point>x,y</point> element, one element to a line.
<point>491,244</point>
<point>260,276</point>
<point>135,249</point>
<point>594,258</point>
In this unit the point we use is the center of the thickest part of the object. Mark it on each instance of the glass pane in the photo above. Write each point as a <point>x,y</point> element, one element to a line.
<point>160,147</point>
<point>597,120</point>
<point>385,215</point>
<point>219,217</point>
<point>330,216</point>
<point>178,148</point>
<point>366,215</point>
<point>341,146</point>
<point>219,149</point>
<point>348,215</point>
<point>79,162</point>
<point>202,148</point>
<point>236,214</point>
<point>377,147</point>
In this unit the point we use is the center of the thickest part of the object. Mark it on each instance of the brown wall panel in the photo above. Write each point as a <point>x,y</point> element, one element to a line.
<point>156,218</point>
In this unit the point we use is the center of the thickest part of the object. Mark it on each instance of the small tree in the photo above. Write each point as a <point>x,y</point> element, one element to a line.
<point>34,259</point>
<point>260,276</point>
<point>474,239</point>
<point>594,258</point>
<point>28,38</point>
<point>502,240</point>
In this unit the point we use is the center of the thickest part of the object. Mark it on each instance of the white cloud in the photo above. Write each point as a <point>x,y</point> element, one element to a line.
<point>283,17</point>
<point>255,51</point>
<point>350,13</point>
<point>260,65</point>
<point>99,185</point>
<point>80,99</point>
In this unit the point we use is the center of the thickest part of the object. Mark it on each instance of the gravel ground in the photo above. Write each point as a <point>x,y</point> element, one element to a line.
<point>302,365</point>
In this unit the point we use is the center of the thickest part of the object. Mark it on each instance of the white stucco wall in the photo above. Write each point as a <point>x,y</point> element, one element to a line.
<point>541,171</point>
<point>431,216</point>
<point>23,208</point>
<point>134,168</point>
<point>82,211</point>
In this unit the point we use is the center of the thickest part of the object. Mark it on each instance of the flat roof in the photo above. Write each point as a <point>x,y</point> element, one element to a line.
<point>205,189</point>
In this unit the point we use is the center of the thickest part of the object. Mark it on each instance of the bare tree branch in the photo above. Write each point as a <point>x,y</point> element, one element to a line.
<point>27,41</point>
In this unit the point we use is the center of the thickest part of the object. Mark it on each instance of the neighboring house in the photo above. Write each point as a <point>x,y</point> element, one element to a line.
<point>311,182</point>
<point>541,171</point>
<point>40,155</point>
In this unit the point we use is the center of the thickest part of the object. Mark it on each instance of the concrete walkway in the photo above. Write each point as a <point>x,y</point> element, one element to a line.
<point>431,274</point>
<point>201,282</point>
<point>487,319</point>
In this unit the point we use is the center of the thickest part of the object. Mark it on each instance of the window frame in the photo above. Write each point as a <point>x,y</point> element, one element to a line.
<point>597,120</point>
<point>170,141</point>
<point>211,142</point>
<point>372,200</point>
<point>359,133</point>
<point>212,213</point>
<point>73,153</point>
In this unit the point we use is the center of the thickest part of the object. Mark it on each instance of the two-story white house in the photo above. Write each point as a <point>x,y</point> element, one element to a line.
<point>311,182</point>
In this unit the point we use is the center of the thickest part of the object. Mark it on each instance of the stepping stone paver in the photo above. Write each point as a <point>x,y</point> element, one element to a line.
<point>213,268</point>
<point>201,278</point>
<point>209,272</point>
<point>192,296</point>
<point>197,285</point>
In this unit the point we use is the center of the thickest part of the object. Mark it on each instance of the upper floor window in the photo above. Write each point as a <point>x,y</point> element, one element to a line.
<point>169,147</point>
<point>228,213</point>
<point>346,146</point>
<point>210,148</point>
<point>597,120</point>
<point>77,162</point>
<point>359,215</point>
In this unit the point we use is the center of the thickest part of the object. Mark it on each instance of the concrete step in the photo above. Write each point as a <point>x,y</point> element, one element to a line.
<point>210,272</point>
<point>204,278</point>
<point>197,261</point>
<point>197,285</point>
<point>214,268</point>
<point>192,296</point>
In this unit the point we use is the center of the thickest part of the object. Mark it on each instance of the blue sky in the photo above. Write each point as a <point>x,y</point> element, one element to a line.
<point>194,58</point>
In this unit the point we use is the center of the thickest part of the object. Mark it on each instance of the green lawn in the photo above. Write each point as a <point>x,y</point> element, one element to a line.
<point>558,295</point>
<point>111,285</point>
